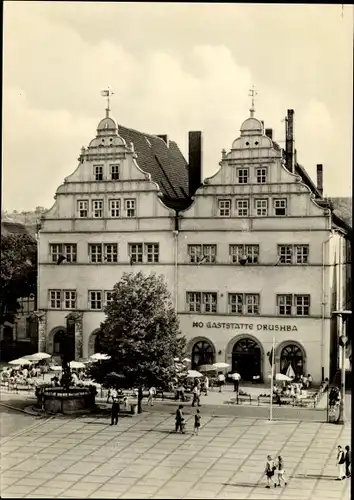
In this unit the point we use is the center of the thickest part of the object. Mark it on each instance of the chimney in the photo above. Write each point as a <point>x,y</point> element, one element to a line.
<point>164,138</point>
<point>194,162</point>
<point>269,133</point>
<point>320,179</point>
<point>289,141</point>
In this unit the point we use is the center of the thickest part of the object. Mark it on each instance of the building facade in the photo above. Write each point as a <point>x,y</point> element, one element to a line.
<point>256,255</point>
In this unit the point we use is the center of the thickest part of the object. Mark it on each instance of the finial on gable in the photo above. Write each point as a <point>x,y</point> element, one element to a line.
<point>107,93</point>
<point>252,93</point>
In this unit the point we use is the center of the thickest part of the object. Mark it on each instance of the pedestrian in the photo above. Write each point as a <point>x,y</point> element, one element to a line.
<point>180,419</point>
<point>236,378</point>
<point>152,394</point>
<point>340,463</point>
<point>281,471</point>
<point>269,471</point>
<point>309,379</point>
<point>115,411</point>
<point>196,395</point>
<point>206,384</point>
<point>348,461</point>
<point>221,381</point>
<point>197,418</point>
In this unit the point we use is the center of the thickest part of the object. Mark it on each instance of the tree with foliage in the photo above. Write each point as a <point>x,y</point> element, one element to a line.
<point>18,272</point>
<point>140,333</point>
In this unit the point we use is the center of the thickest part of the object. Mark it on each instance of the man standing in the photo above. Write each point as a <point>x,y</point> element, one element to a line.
<point>340,463</point>
<point>179,419</point>
<point>348,461</point>
<point>196,395</point>
<point>152,394</point>
<point>221,381</point>
<point>115,411</point>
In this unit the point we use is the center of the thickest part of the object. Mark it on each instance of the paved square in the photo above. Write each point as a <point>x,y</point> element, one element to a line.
<point>141,458</point>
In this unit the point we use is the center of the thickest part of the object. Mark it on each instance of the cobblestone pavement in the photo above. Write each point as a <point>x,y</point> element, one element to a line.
<point>141,458</point>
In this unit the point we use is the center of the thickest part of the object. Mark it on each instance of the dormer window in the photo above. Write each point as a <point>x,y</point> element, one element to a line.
<point>98,172</point>
<point>242,175</point>
<point>261,175</point>
<point>114,172</point>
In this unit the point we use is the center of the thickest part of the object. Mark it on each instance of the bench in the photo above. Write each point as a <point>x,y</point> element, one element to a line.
<point>243,397</point>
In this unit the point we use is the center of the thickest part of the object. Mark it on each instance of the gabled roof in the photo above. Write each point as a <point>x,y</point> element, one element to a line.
<point>165,163</point>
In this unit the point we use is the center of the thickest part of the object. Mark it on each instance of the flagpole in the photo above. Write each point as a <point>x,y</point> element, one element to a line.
<point>272,383</point>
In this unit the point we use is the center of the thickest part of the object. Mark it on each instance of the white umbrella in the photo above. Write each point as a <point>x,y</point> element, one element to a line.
<point>38,356</point>
<point>235,376</point>
<point>218,366</point>
<point>290,372</point>
<point>186,360</point>
<point>100,356</point>
<point>76,364</point>
<point>55,368</point>
<point>194,374</point>
<point>20,361</point>
<point>281,377</point>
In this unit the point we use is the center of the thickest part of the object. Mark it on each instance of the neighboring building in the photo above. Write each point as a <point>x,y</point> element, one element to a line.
<point>253,255</point>
<point>20,337</point>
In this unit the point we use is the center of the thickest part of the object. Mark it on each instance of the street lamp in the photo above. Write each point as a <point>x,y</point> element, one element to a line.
<point>343,340</point>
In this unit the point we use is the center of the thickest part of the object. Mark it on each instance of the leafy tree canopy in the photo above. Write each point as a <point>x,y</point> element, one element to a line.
<point>18,271</point>
<point>140,333</point>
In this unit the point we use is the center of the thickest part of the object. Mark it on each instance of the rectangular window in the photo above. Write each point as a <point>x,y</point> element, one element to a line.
<point>209,254</point>
<point>95,253</point>
<point>67,250</point>
<point>301,254</point>
<point>136,252</point>
<point>69,299</point>
<point>284,303</point>
<point>252,253</point>
<point>55,299</point>
<point>129,206</point>
<point>236,252</point>
<point>114,208</point>
<point>194,302</point>
<point>95,300</point>
<point>249,252</point>
<point>195,253</point>
<point>224,208</point>
<point>302,305</point>
<point>98,172</point>
<point>82,207</point>
<point>108,297</point>
<point>285,254</point>
<point>261,207</point>
<point>235,303</point>
<point>242,175</point>
<point>110,252</point>
<point>252,303</point>
<point>261,175</point>
<point>97,209</point>
<point>280,206</point>
<point>152,252</point>
<point>242,208</point>
<point>114,172</point>
<point>209,302</point>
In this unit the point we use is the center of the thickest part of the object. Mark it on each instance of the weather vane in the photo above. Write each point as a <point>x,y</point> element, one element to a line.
<point>252,93</point>
<point>107,93</point>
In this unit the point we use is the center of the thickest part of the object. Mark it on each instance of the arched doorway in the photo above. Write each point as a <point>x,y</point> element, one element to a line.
<point>292,355</point>
<point>202,354</point>
<point>64,344</point>
<point>246,359</point>
<point>97,344</point>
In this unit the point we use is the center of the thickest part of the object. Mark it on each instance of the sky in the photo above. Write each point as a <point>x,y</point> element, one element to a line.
<point>173,67</point>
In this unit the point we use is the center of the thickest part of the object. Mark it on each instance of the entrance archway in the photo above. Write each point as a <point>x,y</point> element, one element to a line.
<point>292,355</point>
<point>246,359</point>
<point>64,344</point>
<point>202,354</point>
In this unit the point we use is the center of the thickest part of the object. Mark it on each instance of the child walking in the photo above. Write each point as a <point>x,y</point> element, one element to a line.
<point>197,418</point>
<point>281,472</point>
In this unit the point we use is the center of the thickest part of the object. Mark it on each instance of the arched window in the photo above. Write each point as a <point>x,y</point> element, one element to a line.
<point>202,354</point>
<point>292,355</point>
<point>246,359</point>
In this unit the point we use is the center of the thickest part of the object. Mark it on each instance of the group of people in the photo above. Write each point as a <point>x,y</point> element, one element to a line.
<point>275,469</point>
<point>12,378</point>
<point>344,462</point>
<point>181,423</point>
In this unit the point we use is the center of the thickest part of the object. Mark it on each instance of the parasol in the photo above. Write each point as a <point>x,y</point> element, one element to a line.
<point>219,366</point>
<point>76,364</point>
<point>38,356</point>
<point>100,356</point>
<point>20,362</point>
<point>194,374</point>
